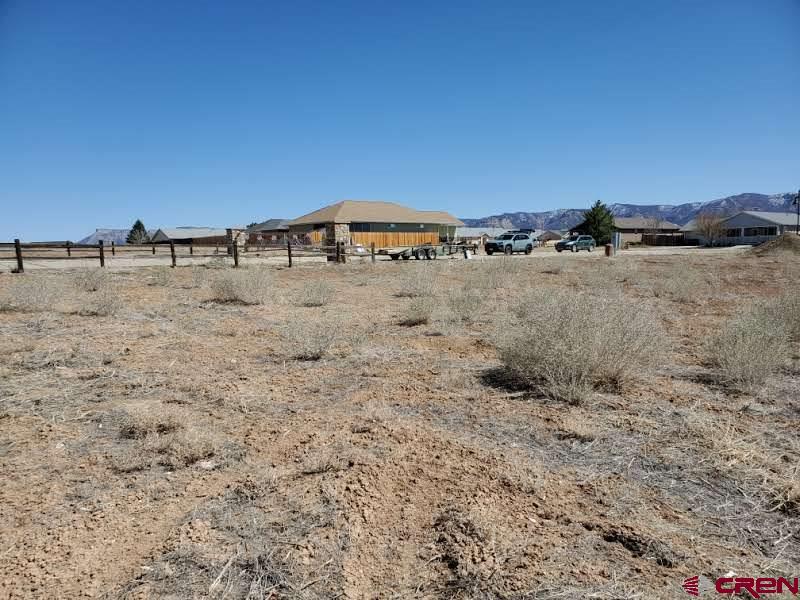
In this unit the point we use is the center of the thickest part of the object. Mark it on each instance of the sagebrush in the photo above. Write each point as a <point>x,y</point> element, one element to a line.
<point>244,286</point>
<point>567,344</point>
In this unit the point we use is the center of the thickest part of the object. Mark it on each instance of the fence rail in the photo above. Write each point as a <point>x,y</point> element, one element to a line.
<point>66,250</point>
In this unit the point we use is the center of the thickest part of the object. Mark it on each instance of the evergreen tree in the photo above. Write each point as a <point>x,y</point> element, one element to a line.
<point>137,234</point>
<point>599,223</point>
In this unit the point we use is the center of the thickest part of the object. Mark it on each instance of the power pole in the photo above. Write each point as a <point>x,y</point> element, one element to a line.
<point>797,204</point>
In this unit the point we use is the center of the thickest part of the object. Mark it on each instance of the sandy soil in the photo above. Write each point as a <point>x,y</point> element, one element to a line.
<point>177,448</point>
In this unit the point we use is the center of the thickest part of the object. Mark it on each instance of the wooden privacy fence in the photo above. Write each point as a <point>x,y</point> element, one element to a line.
<point>21,252</point>
<point>666,239</point>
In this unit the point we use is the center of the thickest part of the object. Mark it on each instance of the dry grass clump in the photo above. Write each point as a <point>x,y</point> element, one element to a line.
<point>750,347</point>
<point>198,277</point>
<point>419,281</point>
<point>466,303</point>
<point>161,276</point>
<point>554,266</point>
<point>418,312</point>
<point>310,339</point>
<point>786,308</point>
<point>30,293</point>
<point>764,461</point>
<point>139,423</point>
<point>104,302</point>
<point>164,438</point>
<point>243,286</point>
<point>91,279</point>
<point>493,273</point>
<point>565,344</point>
<point>316,293</point>
<point>102,294</point>
<point>326,459</point>
<point>678,283</point>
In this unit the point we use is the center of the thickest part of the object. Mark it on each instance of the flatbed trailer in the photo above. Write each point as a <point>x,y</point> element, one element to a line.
<point>426,251</point>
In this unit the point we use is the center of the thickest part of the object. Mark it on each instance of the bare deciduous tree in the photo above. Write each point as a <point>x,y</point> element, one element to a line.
<point>654,224</point>
<point>710,226</point>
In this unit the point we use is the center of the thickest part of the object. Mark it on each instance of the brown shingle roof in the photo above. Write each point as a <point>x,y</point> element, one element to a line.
<point>641,223</point>
<point>372,211</point>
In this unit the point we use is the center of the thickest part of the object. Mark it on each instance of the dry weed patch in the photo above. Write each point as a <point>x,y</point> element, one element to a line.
<point>91,279</point>
<point>160,436</point>
<point>418,312</point>
<point>104,302</point>
<point>750,347</point>
<point>565,344</point>
<point>310,339</point>
<point>418,281</point>
<point>31,293</point>
<point>315,294</point>
<point>243,286</point>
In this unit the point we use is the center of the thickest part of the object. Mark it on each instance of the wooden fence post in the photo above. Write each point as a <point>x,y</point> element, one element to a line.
<point>69,249</point>
<point>372,250</point>
<point>154,248</point>
<point>18,252</point>
<point>113,249</point>
<point>289,252</point>
<point>172,252</point>
<point>102,254</point>
<point>235,255</point>
<point>191,249</point>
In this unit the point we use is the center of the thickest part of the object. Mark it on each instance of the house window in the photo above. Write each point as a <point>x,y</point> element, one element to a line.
<point>731,233</point>
<point>759,231</point>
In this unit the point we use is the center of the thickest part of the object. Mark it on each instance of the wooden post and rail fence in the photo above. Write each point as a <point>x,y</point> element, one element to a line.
<point>21,252</point>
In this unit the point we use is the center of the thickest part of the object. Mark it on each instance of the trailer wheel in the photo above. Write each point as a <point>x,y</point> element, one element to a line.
<point>406,256</point>
<point>419,254</point>
<point>431,253</point>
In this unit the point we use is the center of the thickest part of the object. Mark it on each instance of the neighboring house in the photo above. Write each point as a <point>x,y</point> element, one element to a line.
<point>747,227</point>
<point>385,224</point>
<point>550,236</point>
<point>118,236</point>
<point>632,229</point>
<point>272,231</point>
<point>190,235</point>
<point>477,235</point>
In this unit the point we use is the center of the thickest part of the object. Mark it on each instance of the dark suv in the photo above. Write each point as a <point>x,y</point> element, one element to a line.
<point>509,243</point>
<point>576,243</point>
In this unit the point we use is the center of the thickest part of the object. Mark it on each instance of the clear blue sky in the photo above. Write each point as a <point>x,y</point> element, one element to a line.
<point>218,113</point>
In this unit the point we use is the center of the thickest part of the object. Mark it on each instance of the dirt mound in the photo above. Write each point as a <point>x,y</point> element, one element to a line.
<point>786,243</point>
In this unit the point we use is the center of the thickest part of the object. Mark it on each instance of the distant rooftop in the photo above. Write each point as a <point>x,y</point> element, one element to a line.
<point>779,218</point>
<point>374,211</point>
<point>270,225</point>
<point>180,233</point>
<point>643,223</point>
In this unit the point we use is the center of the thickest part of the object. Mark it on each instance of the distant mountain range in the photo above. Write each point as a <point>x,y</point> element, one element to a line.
<point>680,214</point>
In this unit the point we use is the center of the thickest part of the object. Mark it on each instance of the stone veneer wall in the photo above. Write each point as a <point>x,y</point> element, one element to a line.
<point>336,232</point>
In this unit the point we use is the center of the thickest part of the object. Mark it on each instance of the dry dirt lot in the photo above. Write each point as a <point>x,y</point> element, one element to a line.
<point>382,431</point>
